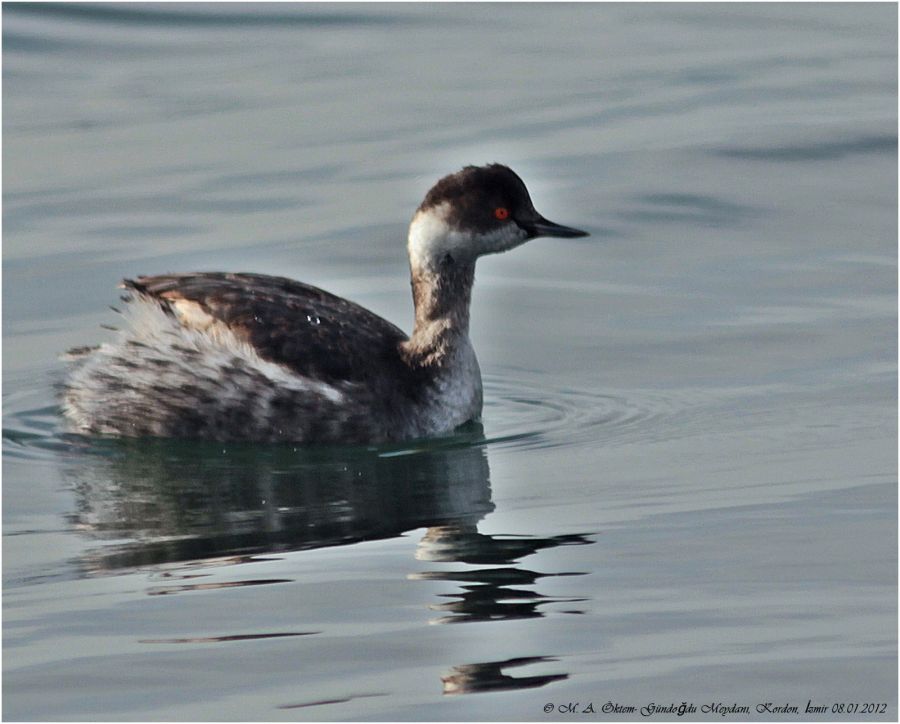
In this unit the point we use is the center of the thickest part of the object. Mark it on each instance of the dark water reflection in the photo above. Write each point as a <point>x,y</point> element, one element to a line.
<point>152,503</point>
<point>489,594</point>
<point>476,678</point>
<point>175,502</point>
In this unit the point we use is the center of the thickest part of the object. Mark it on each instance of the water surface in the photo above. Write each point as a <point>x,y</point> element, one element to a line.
<point>684,484</point>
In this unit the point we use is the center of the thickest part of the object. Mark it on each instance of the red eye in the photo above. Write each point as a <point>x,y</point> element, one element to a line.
<point>501,213</point>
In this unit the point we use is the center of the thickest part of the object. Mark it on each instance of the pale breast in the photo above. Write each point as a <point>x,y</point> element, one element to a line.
<point>456,393</point>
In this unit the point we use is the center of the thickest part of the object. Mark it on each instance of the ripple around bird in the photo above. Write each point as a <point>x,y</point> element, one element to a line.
<point>521,410</point>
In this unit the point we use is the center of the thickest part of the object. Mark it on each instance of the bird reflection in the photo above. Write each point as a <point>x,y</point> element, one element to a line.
<point>154,502</point>
<point>476,678</point>
<point>488,593</point>
<point>174,502</point>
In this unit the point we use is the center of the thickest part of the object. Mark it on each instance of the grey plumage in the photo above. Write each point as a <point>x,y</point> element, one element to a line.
<point>259,357</point>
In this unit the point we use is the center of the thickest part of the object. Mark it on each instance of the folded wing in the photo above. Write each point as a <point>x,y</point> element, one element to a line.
<point>314,333</point>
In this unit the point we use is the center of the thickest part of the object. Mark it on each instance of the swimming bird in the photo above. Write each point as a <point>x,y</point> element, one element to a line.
<point>227,356</point>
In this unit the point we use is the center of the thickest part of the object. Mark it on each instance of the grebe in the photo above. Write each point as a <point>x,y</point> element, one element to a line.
<point>225,356</point>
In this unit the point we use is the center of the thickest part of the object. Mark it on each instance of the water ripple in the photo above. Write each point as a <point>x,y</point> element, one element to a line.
<point>187,16</point>
<point>226,638</point>
<point>825,150</point>
<point>523,411</point>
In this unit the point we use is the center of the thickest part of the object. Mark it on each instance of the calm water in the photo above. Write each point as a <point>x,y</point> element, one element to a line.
<point>685,484</point>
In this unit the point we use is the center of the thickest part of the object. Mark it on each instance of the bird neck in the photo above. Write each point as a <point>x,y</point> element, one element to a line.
<point>442,293</point>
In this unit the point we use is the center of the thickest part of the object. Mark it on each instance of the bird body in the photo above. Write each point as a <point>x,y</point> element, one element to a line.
<point>227,356</point>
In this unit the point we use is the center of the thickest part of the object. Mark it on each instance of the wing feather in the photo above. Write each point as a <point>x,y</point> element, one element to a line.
<point>302,327</point>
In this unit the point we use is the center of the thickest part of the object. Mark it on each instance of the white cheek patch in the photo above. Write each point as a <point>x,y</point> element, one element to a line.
<point>431,238</point>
